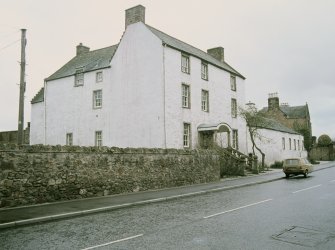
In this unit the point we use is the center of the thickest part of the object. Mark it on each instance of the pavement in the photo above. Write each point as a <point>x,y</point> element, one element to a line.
<point>25,215</point>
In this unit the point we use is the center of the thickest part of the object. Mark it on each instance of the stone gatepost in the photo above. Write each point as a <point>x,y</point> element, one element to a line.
<point>254,168</point>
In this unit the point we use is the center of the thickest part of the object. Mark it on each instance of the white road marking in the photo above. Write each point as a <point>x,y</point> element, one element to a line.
<point>228,211</point>
<point>305,189</point>
<point>112,242</point>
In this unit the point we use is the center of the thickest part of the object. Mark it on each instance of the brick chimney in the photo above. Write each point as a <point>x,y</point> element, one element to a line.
<point>273,101</point>
<point>135,14</point>
<point>81,49</point>
<point>217,53</point>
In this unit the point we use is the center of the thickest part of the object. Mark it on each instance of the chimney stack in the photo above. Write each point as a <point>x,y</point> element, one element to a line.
<point>217,53</point>
<point>273,101</point>
<point>135,14</point>
<point>81,49</point>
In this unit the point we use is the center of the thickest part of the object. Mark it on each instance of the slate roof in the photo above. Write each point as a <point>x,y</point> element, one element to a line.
<point>92,60</point>
<point>97,59</point>
<point>275,125</point>
<point>292,112</point>
<point>101,58</point>
<point>39,97</point>
<point>184,47</point>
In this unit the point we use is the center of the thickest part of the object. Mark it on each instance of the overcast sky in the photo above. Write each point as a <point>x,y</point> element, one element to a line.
<point>284,46</point>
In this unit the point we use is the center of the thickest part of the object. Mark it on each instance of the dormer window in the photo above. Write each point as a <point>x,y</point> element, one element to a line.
<point>185,63</point>
<point>99,76</point>
<point>79,77</point>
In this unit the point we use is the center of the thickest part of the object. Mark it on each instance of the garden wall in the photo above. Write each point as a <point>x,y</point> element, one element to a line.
<point>325,153</point>
<point>39,174</point>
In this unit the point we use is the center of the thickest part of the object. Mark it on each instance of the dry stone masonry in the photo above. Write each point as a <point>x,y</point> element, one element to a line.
<point>39,174</point>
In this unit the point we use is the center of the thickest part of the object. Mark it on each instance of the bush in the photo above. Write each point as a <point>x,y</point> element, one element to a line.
<point>314,161</point>
<point>277,164</point>
<point>324,140</point>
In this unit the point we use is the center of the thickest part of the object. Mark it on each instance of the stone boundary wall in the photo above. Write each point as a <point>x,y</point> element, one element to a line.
<point>326,153</point>
<point>38,174</point>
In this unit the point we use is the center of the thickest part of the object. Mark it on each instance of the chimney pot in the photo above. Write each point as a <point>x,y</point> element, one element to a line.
<point>81,49</point>
<point>135,14</point>
<point>217,53</point>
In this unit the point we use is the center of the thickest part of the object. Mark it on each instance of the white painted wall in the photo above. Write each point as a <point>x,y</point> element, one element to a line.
<point>220,94</point>
<point>132,96</point>
<point>37,123</point>
<point>136,91</point>
<point>271,145</point>
<point>69,109</point>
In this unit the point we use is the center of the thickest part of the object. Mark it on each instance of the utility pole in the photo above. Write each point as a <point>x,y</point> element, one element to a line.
<point>22,87</point>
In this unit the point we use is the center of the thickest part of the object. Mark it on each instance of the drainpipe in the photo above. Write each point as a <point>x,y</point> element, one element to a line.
<point>164,91</point>
<point>45,112</point>
<point>246,139</point>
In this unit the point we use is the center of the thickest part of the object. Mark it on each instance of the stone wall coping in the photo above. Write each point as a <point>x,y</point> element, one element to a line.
<point>13,148</point>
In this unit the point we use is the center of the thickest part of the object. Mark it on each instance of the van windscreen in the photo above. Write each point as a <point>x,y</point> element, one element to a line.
<point>292,162</point>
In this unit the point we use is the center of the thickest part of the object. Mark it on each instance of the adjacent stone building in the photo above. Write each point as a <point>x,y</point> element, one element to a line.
<point>296,118</point>
<point>150,90</point>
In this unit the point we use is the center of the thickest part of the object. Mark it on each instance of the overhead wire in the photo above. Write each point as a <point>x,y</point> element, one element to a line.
<point>8,45</point>
<point>7,34</point>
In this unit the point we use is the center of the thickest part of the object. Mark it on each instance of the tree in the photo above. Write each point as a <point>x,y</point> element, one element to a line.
<point>306,132</point>
<point>324,140</point>
<point>255,120</point>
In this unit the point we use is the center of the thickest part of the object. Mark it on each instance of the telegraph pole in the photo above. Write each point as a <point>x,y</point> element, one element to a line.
<point>22,87</point>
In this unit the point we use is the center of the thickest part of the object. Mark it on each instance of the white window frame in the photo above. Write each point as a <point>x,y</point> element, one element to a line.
<point>97,99</point>
<point>233,107</point>
<point>69,139</point>
<point>205,100</point>
<point>99,76</point>
<point>185,63</point>
<point>204,71</point>
<point>79,77</point>
<point>235,139</point>
<point>233,82</point>
<point>98,138</point>
<point>185,95</point>
<point>186,135</point>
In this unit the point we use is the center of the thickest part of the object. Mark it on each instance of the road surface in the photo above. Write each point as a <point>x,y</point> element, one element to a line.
<point>294,213</point>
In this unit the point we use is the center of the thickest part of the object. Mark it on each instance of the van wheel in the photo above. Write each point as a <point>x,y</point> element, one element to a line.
<point>287,175</point>
<point>306,173</point>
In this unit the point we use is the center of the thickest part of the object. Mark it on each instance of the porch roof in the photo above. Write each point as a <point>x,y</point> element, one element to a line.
<point>220,127</point>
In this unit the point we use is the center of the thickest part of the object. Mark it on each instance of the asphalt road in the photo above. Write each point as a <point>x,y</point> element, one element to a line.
<point>295,213</point>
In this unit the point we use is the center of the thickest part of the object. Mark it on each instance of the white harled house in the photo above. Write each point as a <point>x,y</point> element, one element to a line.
<point>150,90</point>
